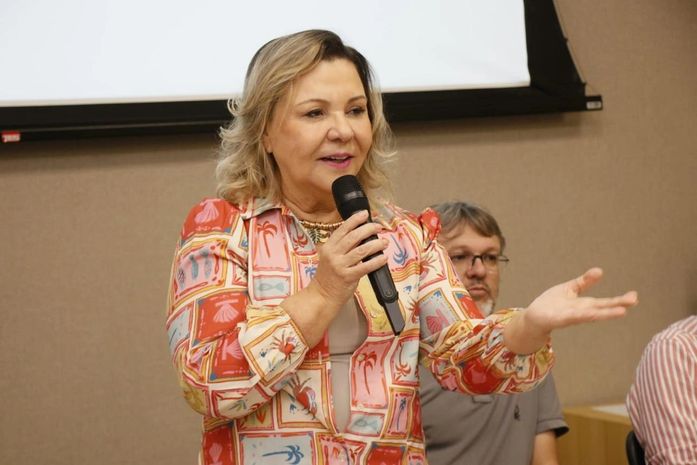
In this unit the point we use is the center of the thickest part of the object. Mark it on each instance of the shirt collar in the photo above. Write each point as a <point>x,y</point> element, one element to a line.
<point>381,214</point>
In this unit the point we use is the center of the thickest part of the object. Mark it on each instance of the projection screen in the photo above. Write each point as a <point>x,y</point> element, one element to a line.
<point>104,66</point>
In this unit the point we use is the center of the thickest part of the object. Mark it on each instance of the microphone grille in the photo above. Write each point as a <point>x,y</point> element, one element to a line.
<point>349,196</point>
<point>345,184</point>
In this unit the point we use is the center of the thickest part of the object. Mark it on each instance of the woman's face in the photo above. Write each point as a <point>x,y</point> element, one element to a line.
<point>319,131</point>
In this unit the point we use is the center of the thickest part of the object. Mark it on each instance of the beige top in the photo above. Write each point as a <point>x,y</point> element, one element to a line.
<point>346,333</point>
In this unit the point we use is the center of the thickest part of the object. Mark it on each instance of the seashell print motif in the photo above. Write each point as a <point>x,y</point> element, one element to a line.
<point>225,312</point>
<point>233,349</point>
<point>208,213</point>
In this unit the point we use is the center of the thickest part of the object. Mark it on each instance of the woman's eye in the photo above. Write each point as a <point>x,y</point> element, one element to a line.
<point>357,110</point>
<point>457,258</point>
<point>316,113</point>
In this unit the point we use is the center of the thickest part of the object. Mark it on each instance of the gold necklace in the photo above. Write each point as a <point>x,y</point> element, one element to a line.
<point>319,232</point>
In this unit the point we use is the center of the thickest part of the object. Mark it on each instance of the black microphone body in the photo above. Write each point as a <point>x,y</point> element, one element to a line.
<point>350,198</point>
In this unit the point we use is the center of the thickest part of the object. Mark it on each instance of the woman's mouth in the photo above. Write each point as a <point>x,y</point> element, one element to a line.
<point>337,161</point>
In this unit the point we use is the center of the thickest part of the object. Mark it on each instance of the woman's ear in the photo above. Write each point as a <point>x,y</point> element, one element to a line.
<point>266,142</point>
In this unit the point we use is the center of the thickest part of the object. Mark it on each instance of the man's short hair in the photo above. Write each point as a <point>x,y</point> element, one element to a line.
<point>459,214</point>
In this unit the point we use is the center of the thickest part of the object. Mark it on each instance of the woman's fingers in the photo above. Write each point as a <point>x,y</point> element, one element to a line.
<point>586,280</point>
<point>350,224</point>
<point>561,305</point>
<point>353,239</point>
<point>606,313</point>
<point>362,251</point>
<point>628,299</point>
<point>588,309</point>
<point>363,268</point>
<point>344,253</point>
<point>351,264</point>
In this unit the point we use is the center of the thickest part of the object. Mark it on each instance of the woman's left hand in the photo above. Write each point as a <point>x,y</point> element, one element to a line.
<point>561,306</point>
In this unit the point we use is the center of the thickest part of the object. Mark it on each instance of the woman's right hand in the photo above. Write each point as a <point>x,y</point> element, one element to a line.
<point>340,259</point>
<point>336,279</point>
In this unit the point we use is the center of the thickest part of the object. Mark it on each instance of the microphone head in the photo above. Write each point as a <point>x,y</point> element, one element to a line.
<point>349,196</point>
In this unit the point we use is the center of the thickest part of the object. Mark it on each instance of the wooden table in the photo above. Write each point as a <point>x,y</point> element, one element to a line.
<point>596,435</point>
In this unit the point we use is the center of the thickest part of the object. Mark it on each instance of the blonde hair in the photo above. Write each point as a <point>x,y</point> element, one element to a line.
<point>244,168</point>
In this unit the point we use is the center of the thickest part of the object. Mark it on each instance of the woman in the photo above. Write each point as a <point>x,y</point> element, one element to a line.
<point>284,349</point>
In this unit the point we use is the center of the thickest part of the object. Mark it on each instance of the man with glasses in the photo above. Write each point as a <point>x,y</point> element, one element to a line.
<point>491,429</point>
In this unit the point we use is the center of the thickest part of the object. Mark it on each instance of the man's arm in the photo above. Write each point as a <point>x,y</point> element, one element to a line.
<point>544,451</point>
<point>550,424</point>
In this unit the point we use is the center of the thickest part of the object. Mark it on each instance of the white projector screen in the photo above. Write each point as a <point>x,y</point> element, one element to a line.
<point>90,68</point>
<point>74,52</point>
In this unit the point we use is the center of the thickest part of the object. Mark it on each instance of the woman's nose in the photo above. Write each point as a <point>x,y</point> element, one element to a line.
<point>340,128</point>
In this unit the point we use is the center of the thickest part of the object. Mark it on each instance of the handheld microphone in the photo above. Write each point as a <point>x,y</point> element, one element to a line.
<point>350,198</point>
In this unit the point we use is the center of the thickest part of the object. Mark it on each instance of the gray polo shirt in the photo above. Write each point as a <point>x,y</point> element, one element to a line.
<point>491,429</point>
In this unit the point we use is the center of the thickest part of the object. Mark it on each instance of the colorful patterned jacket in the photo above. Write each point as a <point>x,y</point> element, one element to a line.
<point>266,396</point>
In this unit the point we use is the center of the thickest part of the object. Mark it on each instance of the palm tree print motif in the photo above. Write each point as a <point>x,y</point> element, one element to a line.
<point>298,237</point>
<point>402,368</point>
<point>310,271</point>
<point>400,257</point>
<point>293,454</point>
<point>367,360</point>
<point>266,229</point>
<point>400,410</point>
<point>340,454</point>
<point>428,266</point>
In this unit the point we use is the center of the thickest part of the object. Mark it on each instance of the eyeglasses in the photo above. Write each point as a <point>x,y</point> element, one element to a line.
<point>490,261</point>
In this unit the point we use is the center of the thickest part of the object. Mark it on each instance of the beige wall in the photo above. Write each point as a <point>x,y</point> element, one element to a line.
<point>88,228</point>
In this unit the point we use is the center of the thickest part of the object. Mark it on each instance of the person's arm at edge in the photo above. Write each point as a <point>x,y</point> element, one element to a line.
<point>544,450</point>
<point>667,374</point>
<point>550,423</point>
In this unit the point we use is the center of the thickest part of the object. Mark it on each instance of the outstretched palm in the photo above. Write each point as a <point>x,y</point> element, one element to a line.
<point>562,305</point>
